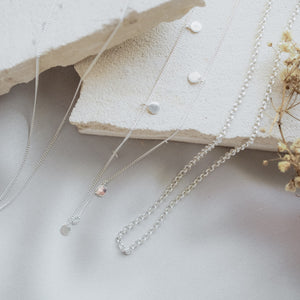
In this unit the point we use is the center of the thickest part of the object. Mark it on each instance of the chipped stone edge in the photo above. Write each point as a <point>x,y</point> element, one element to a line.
<point>264,143</point>
<point>89,45</point>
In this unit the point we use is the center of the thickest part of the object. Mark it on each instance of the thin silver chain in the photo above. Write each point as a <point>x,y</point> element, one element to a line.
<point>185,116</point>
<point>54,138</point>
<point>38,42</point>
<point>140,241</point>
<point>140,114</point>
<point>79,211</point>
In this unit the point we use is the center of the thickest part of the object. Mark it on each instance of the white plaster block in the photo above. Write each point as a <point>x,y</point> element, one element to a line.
<point>76,30</point>
<point>114,91</point>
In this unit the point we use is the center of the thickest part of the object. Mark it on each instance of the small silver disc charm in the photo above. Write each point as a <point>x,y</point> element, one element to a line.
<point>65,230</point>
<point>194,77</point>
<point>153,108</point>
<point>195,27</point>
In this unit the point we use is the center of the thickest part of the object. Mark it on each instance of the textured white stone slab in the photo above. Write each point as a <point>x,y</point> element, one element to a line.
<point>76,30</point>
<point>115,90</point>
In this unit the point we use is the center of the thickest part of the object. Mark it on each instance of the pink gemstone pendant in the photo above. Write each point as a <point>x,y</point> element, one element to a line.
<point>100,191</point>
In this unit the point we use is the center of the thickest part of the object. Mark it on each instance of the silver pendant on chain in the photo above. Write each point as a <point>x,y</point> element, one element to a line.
<point>194,77</point>
<point>194,27</point>
<point>153,108</point>
<point>65,230</point>
<point>101,190</point>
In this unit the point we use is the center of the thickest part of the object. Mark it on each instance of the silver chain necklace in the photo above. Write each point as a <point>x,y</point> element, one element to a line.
<point>4,195</point>
<point>13,181</point>
<point>102,188</point>
<point>172,204</point>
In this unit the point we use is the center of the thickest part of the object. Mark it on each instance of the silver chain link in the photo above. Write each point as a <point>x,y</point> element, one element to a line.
<point>119,239</point>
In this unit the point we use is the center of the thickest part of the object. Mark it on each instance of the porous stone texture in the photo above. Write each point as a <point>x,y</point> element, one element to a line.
<point>115,90</point>
<point>74,31</point>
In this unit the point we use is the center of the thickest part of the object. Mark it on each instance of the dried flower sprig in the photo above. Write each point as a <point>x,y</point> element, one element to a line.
<point>288,155</point>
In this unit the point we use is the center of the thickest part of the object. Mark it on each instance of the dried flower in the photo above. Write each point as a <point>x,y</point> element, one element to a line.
<point>283,166</point>
<point>286,36</point>
<point>297,181</point>
<point>262,130</point>
<point>265,163</point>
<point>290,61</point>
<point>288,156</point>
<point>296,146</point>
<point>281,147</point>
<point>285,47</point>
<point>290,186</point>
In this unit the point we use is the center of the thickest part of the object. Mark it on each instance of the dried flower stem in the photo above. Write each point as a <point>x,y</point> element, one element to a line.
<point>288,155</point>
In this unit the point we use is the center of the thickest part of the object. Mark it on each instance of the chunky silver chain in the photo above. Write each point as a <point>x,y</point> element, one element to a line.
<point>119,239</point>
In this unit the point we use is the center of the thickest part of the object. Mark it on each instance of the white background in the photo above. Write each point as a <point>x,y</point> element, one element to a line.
<point>235,237</point>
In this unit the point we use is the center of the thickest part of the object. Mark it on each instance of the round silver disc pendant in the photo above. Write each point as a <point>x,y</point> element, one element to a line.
<point>194,77</point>
<point>65,230</point>
<point>195,27</point>
<point>153,108</point>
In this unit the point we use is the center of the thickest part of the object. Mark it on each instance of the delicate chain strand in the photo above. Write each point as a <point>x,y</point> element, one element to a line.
<point>13,181</point>
<point>53,140</point>
<point>77,214</point>
<point>211,61</point>
<point>190,108</point>
<point>75,218</point>
<point>219,162</point>
<point>137,119</point>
